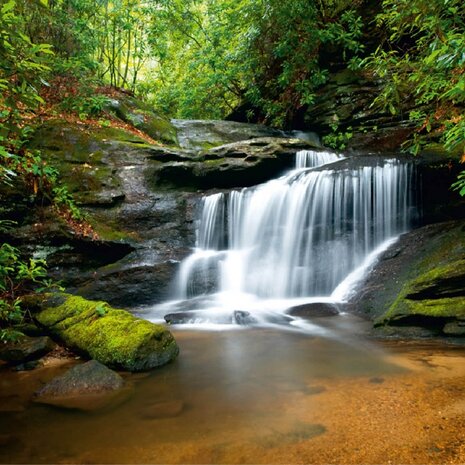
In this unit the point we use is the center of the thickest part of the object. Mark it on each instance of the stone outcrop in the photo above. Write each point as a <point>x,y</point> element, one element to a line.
<point>139,229</point>
<point>419,283</point>
<point>201,135</point>
<point>239,164</point>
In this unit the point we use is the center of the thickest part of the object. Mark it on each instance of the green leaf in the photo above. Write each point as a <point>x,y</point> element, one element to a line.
<point>8,6</point>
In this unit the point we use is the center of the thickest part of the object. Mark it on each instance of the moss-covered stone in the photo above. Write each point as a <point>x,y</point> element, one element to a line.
<point>141,116</point>
<point>113,337</point>
<point>438,293</point>
<point>420,282</point>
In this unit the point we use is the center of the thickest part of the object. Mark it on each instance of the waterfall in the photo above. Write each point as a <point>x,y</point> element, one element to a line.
<point>299,235</point>
<point>313,159</point>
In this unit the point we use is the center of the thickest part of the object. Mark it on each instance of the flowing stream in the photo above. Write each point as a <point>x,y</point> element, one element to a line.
<point>305,237</point>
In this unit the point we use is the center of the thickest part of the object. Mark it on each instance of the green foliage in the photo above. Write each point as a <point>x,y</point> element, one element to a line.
<point>422,65</point>
<point>215,54</point>
<point>459,185</point>
<point>337,140</point>
<point>85,106</point>
<point>65,202</point>
<point>24,67</point>
<point>18,277</point>
<point>101,309</point>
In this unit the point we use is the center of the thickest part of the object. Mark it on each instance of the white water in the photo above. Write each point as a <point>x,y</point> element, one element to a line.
<point>308,236</point>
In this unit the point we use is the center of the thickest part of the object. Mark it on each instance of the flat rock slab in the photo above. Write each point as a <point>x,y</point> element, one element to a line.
<point>85,387</point>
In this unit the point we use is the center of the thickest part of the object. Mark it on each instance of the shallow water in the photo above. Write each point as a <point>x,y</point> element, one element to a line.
<point>257,396</point>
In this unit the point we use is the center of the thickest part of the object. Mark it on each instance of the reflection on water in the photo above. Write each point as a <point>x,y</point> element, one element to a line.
<point>231,397</point>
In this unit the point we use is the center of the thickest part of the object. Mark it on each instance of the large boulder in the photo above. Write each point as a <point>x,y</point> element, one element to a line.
<point>419,282</point>
<point>140,233</point>
<point>239,164</point>
<point>111,336</point>
<point>87,386</point>
<point>90,159</point>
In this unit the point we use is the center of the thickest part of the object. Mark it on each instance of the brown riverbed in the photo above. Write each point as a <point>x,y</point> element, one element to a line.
<point>257,396</point>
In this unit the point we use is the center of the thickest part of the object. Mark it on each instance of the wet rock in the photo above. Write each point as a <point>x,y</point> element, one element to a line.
<point>112,336</point>
<point>421,285</point>
<point>128,285</point>
<point>196,316</point>
<point>27,366</point>
<point>244,318</point>
<point>88,158</point>
<point>238,164</point>
<point>376,380</point>
<point>239,317</point>
<point>180,318</point>
<point>86,387</point>
<point>201,135</point>
<point>346,101</point>
<point>25,350</point>
<point>314,310</point>
<point>163,409</point>
<point>455,328</point>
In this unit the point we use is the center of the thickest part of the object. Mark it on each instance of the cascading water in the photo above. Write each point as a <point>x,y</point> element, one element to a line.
<point>298,236</point>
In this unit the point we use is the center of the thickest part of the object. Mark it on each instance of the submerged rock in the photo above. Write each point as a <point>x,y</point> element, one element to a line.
<point>422,284</point>
<point>163,409</point>
<point>86,387</point>
<point>27,349</point>
<point>113,337</point>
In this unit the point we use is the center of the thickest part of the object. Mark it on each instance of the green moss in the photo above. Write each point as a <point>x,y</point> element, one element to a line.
<point>215,162</point>
<point>409,301</point>
<point>108,231</point>
<point>430,285</point>
<point>142,117</point>
<point>111,336</point>
<point>439,154</point>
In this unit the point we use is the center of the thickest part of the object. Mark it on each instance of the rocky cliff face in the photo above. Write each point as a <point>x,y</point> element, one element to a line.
<point>140,197</point>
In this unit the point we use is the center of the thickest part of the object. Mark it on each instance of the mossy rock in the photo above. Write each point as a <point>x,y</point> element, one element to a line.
<point>142,117</point>
<point>436,293</point>
<point>420,282</point>
<point>90,159</point>
<point>111,336</point>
